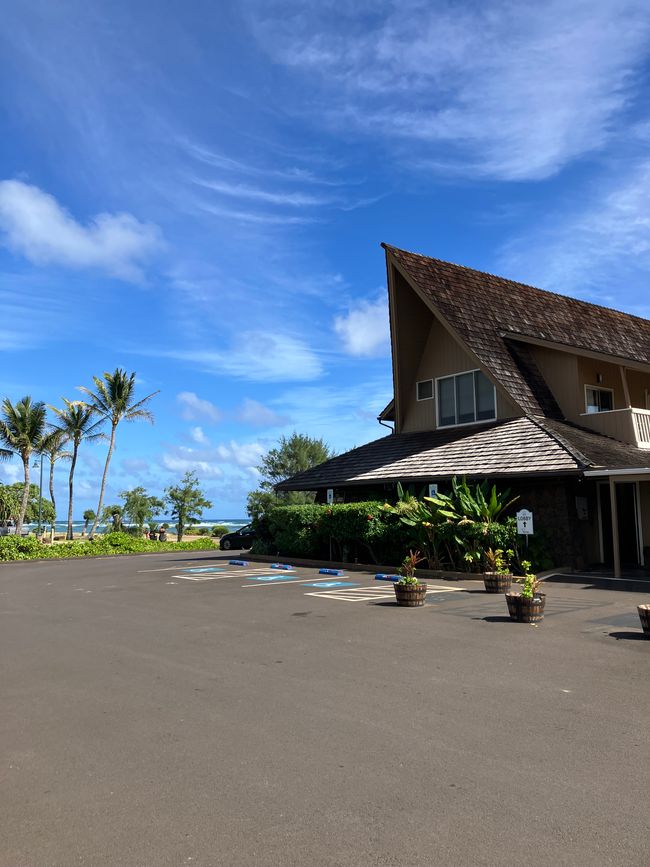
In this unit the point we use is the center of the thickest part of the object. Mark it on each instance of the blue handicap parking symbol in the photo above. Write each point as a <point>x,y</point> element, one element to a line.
<point>328,584</point>
<point>270,578</point>
<point>205,569</point>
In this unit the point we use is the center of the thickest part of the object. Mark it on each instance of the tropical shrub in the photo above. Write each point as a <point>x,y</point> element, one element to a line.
<point>29,548</point>
<point>219,530</point>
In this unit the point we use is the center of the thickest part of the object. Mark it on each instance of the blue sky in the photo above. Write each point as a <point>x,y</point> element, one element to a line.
<point>197,192</point>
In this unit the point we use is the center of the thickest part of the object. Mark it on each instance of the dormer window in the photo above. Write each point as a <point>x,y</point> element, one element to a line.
<point>599,399</point>
<point>425,389</point>
<point>465,398</point>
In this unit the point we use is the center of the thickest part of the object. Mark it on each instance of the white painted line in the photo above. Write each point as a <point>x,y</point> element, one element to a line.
<point>204,578</point>
<point>167,569</point>
<point>276,583</point>
<point>339,597</point>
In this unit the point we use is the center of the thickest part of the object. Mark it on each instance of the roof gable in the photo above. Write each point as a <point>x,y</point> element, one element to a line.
<point>489,313</point>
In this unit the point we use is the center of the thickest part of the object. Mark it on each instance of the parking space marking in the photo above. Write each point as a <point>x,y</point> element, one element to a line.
<point>280,581</point>
<point>270,578</point>
<point>326,584</point>
<point>371,594</point>
<point>224,574</point>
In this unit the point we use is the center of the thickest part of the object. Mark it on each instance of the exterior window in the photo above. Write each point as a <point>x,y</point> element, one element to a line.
<point>599,399</point>
<point>465,398</point>
<point>425,389</point>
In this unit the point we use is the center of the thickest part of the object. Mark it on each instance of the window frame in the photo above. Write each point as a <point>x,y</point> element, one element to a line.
<point>417,390</point>
<point>598,388</point>
<point>464,423</point>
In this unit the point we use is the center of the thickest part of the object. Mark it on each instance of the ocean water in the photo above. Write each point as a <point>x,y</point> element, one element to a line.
<point>77,526</point>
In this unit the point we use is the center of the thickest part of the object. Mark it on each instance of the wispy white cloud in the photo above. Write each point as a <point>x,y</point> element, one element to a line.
<point>197,435</point>
<point>242,191</point>
<point>257,217</point>
<point>364,328</point>
<point>195,408</point>
<point>254,413</point>
<point>255,356</point>
<point>228,164</point>
<point>189,463</point>
<point>36,226</point>
<point>214,461</point>
<point>588,250</point>
<point>504,89</point>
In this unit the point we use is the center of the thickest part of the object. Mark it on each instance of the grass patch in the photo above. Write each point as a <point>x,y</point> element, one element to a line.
<point>29,548</point>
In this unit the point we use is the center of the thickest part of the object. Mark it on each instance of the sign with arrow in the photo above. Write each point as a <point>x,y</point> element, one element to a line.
<point>524,522</point>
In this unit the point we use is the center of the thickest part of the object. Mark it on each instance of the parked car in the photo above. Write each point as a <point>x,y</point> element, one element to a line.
<point>242,538</point>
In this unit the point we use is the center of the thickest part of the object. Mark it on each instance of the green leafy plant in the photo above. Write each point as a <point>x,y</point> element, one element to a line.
<point>110,544</point>
<point>499,560</point>
<point>408,567</point>
<point>219,530</point>
<point>529,582</point>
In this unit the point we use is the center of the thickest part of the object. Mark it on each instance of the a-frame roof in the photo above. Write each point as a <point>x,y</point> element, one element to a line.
<point>492,315</point>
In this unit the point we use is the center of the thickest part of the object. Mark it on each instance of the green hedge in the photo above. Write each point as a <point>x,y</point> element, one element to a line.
<point>369,533</point>
<point>29,548</point>
<point>355,531</point>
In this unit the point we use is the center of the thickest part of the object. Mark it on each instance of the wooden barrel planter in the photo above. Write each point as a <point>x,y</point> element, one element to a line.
<point>410,595</point>
<point>644,617</point>
<point>525,610</point>
<point>496,582</point>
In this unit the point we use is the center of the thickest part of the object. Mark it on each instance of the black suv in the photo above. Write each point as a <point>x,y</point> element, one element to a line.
<point>242,538</point>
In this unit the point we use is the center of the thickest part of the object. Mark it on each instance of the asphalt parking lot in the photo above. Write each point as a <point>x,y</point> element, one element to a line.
<point>157,715</point>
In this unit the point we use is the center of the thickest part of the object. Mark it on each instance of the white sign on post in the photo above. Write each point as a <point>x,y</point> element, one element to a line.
<point>524,522</point>
<point>433,489</point>
<point>330,496</point>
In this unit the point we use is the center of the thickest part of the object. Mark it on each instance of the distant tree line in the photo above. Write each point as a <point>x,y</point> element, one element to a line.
<point>26,432</point>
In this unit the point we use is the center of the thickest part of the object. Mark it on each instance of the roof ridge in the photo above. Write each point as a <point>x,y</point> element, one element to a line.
<point>517,283</point>
<point>575,453</point>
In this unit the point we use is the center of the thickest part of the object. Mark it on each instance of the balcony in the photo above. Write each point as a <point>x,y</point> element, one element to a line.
<point>629,425</point>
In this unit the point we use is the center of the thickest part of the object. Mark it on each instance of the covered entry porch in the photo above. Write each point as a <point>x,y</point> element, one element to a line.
<point>623,517</point>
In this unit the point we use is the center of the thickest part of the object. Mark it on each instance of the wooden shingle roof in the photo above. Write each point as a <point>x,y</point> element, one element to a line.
<point>489,313</point>
<point>514,447</point>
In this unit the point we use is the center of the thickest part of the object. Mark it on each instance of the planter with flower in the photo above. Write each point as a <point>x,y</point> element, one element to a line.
<point>498,577</point>
<point>644,617</point>
<point>409,590</point>
<point>527,606</point>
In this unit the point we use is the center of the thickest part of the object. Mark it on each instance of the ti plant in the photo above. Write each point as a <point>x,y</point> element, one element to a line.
<point>499,561</point>
<point>408,567</point>
<point>529,582</point>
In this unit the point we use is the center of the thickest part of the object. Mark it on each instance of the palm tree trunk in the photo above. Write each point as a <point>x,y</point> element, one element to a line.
<point>101,490</point>
<point>52,489</point>
<point>69,534</point>
<point>25,499</point>
<point>53,500</point>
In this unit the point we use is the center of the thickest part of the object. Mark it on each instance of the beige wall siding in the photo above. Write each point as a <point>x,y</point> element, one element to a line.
<point>567,375</point>
<point>560,370</point>
<point>440,355</point>
<point>639,386</point>
<point>588,370</point>
<point>412,322</point>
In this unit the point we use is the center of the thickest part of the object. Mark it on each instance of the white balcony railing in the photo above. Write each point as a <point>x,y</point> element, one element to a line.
<point>641,419</point>
<point>629,425</point>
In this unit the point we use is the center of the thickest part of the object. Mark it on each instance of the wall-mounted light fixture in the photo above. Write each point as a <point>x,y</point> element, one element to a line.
<point>599,378</point>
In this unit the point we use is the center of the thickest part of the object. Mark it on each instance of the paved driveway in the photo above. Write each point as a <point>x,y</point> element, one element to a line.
<point>154,715</point>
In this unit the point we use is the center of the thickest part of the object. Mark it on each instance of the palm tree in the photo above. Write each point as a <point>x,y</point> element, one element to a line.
<point>89,515</point>
<point>53,447</point>
<point>113,401</point>
<point>77,423</point>
<point>22,427</point>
